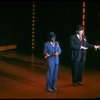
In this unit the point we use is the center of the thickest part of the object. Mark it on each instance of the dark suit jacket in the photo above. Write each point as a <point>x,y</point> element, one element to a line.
<point>77,53</point>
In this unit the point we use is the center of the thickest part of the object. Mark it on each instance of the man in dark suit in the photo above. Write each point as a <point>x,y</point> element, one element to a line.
<point>79,46</point>
<point>51,52</point>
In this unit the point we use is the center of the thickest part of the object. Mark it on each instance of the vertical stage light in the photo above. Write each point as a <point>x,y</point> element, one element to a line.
<point>33,24</point>
<point>83,17</point>
<point>33,27</point>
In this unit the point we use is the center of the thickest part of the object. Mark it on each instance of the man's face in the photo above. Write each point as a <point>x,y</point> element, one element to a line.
<point>81,32</point>
<point>53,39</point>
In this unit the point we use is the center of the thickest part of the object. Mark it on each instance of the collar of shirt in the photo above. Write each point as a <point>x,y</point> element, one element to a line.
<point>53,44</point>
<point>79,36</point>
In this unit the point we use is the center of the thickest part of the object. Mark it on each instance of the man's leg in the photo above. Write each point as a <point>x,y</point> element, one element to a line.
<point>50,76</point>
<point>55,75</point>
<point>81,72</point>
<point>74,72</point>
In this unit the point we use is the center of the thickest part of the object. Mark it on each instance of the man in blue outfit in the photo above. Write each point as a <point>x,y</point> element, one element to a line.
<point>51,52</point>
<point>79,45</point>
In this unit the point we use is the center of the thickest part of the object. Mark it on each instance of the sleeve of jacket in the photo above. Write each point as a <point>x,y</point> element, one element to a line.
<point>89,45</point>
<point>58,48</point>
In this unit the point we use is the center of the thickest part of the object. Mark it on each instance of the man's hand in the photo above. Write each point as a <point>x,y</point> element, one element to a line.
<point>56,54</point>
<point>46,55</point>
<point>97,47</point>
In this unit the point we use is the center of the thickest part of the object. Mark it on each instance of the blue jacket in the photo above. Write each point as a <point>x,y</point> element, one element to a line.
<point>77,53</point>
<point>48,48</point>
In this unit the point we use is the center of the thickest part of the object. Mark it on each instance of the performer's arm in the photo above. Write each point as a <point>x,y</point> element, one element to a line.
<point>45,52</point>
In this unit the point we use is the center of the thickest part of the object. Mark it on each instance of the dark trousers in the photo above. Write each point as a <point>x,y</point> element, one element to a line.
<point>77,71</point>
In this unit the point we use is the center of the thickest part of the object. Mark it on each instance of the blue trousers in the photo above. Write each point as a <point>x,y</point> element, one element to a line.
<point>52,76</point>
<point>77,71</point>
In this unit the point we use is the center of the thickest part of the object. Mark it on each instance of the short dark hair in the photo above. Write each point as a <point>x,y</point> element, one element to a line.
<point>79,28</point>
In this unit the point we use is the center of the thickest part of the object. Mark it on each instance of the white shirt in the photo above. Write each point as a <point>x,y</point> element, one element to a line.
<point>80,37</point>
<point>53,44</point>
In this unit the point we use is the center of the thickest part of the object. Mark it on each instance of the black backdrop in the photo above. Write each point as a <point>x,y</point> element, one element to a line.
<point>62,17</point>
<point>58,16</point>
<point>16,24</point>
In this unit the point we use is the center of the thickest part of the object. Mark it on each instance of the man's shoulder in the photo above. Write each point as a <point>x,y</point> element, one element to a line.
<point>46,43</point>
<point>56,42</point>
<point>73,36</point>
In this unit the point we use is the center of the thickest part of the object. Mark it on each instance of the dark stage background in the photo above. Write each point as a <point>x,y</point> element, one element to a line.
<point>58,16</point>
<point>16,25</point>
<point>62,17</point>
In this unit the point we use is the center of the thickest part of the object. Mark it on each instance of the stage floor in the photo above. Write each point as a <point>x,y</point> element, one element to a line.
<point>24,77</point>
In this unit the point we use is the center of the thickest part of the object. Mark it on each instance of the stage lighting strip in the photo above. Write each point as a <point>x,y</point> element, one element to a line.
<point>33,24</point>
<point>83,17</point>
